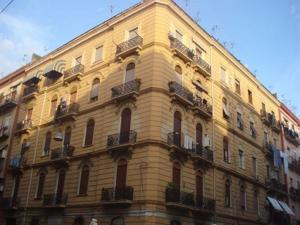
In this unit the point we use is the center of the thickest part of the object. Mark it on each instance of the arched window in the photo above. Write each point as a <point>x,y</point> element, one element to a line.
<point>178,74</point>
<point>177,128</point>
<point>121,174</point>
<point>78,221</point>
<point>40,185</point>
<point>227,193</point>
<point>177,175</point>
<point>95,90</point>
<point>226,113</point>
<point>67,138</point>
<point>130,72</point>
<point>84,180</point>
<point>60,185</point>
<point>47,144</point>
<point>89,132</point>
<point>53,106</point>
<point>73,95</point>
<point>125,126</point>
<point>199,133</point>
<point>225,149</point>
<point>243,197</point>
<point>117,221</point>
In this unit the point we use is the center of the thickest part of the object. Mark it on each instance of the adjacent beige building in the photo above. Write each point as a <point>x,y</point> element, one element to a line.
<point>144,119</point>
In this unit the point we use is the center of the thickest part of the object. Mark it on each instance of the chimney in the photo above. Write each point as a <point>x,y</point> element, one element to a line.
<point>35,57</point>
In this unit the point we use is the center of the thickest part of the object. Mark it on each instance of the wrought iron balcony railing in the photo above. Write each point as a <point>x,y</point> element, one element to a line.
<point>202,107</point>
<point>4,132</point>
<point>294,165</point>
<point>205,203</point>
<point>129,46</point>
<point>185,144</point>
<point>73,72</point>
<point>7,101</point>
<point>9,203</point>
<point>181,93</point>
<point>63,152</point>
<point>117,194</point>
<point>174,195</point>
<point>292,136</point>
<point>24,125</point>
<point>65,112</point>
<point>276,185</point>
<point>202,65</point>
<point>124,138</point>
<point>126,90</point>
<point>181,50</point>
<point>55,200</point>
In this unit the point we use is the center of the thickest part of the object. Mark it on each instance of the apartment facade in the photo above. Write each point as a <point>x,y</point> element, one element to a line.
<point>291,146</point>
<point>145,119</point>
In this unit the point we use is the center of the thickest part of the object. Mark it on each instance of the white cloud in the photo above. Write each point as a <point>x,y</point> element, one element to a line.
<point>19,37</point>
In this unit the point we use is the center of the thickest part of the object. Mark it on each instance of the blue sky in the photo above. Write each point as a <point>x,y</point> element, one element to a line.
<point>264,35</point>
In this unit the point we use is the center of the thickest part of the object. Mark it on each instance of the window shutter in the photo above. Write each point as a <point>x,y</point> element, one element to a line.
<point>95,90</point>
<point>29,114</point>
<point>53,107</point>
<point>176,175</point>
<point>121,174</point>
<point>89,133</point>
<point>84,180</point>
<point>41,183</point>
<point>47,143</point>
<point>99,53</point>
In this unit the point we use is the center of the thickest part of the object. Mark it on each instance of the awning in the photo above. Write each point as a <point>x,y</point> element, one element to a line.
<point>275,204</point>
<point>286,208</point>
<point>31,79</point>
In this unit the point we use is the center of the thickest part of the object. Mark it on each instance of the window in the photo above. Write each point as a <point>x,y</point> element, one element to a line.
<point>226,149</point>
<point>268,171</point>
<point>237,87</point>
<point>178,74</point>
<point>53,106</point>
<point>29,114</point>
<point>243,197</point>
<point>89,132</point>
<point>223,75</point>
<point>199,137</point>
<point>256,202</point>
<point>250,100</point>
<point>47,143</point>
<point>73,96</point>
<point>117,221</point>
<point>84,180</point>
<point>125,126</point>
<point>95,90</point>
<point>121,174</point>
<point>254,167</point>
<point>241,159</point>
<point>133,33</point>
<point>226,113</point>
<point>239,121</point>
<point>40,186</point>
<point>179,36</point>
<point>263,109</point>
<point>78,60</point>
<point>227,194</point>
<point>130,72</point>
<point>67,138</point>
<point>252,129</point>
<point>177,128</point>
<point>78,221</point>
<point>98,54</point>
<point>176,175</point>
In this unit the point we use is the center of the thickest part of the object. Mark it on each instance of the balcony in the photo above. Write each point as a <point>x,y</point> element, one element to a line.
<point>180,50</point>
<point>275,126</point>
<point>202,66</point>
<point>4,133</point>
<point>202,108</point>
<point>268,149</point>
<point>294,193</point>
<point>129,90</point>
<point>7,102</point>
<point>66,112</point>
<point>294,165</point>
<point>30,93</point>
<point>182,144</point>
<point>32,80</point>
<point>270,120</point>
<point>23,127</point>
<point>275,185</point>
<point>179,199</point>
<point>121,140</point>
<point>117,196</point>
<point>74,73</point>
<point>292,136</point>
<point>180,94</point>
<point>203,204</point>
<point>132,46</point>
<point>55,200</point>
<point>62,152</point>
<point>51,73</point>
<point>10,203</point>
<point>16,164</point>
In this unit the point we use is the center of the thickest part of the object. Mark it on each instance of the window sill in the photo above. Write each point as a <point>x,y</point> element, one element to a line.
<point>93,101</point>
<point>87,146</point>
<point>44,156</point>
<point>82,195</point>
<point>95,63</point>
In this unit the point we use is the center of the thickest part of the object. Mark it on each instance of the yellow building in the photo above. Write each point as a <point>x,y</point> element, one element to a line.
<point>144,119</point>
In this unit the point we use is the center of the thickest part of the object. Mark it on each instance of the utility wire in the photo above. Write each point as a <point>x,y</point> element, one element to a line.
<point>5,7</point>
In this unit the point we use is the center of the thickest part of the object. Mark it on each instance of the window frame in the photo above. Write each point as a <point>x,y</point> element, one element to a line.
<point>79,189</point>
<point>85,144</point>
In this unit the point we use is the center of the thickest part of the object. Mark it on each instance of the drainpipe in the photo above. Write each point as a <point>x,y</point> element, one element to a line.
<point>34,156</point>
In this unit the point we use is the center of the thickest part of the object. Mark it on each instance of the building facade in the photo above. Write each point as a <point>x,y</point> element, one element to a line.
<point>145,119</point>
<point>291,146</point>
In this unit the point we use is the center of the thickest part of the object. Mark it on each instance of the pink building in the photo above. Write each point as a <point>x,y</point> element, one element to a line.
<point>291,146</point>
